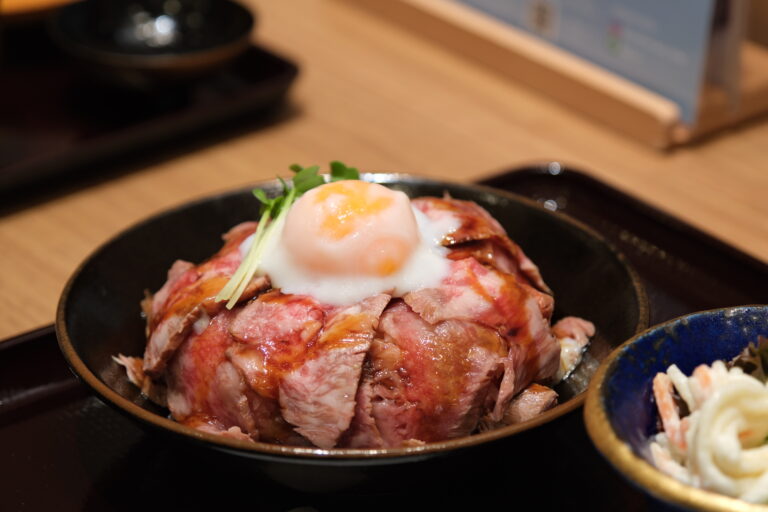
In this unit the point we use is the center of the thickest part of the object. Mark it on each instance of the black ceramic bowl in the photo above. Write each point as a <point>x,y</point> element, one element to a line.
<point>99,315</point>
<point>145,44</point>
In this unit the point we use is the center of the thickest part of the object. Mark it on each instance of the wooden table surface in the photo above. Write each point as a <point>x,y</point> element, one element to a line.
<point>380,98</point>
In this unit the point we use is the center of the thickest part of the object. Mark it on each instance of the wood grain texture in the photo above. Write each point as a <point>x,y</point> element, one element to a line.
<point>380,98</point>
<point>590,90</point>
<point>568,79</point>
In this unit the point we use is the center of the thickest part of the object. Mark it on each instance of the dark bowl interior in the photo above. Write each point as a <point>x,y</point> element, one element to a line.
<point>99,313</point>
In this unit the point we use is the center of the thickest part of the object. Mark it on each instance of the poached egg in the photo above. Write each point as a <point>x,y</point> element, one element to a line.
<point>347,240</point>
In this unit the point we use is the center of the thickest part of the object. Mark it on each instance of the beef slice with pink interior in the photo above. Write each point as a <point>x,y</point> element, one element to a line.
<point>319,396</point>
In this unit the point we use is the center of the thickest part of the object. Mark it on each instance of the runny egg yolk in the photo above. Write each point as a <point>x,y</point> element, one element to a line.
<point>351,228</point>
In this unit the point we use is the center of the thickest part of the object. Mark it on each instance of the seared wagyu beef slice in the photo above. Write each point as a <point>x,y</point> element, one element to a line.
<point>431,381</point>
<point>477,293</point>
<point>188,294</point>
<point>204,389</point>
<point>319,396</point>
<point>481,236</point>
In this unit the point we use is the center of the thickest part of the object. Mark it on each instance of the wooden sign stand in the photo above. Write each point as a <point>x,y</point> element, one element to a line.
<point>573,81</point>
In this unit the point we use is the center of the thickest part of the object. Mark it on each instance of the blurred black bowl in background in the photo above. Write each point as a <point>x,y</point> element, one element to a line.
<point>146,44</point>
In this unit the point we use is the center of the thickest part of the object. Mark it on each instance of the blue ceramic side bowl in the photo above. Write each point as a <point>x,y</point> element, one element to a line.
<point>620,414</point>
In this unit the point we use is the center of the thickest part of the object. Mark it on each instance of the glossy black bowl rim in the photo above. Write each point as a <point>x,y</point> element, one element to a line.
<point>621,455</point>
<point>312,455</point>
<point>172,59</point>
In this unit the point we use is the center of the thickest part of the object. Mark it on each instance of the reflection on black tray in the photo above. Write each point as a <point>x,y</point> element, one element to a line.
<point>56,120</point>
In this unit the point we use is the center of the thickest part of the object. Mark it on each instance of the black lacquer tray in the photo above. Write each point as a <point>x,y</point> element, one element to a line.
<point>60,124</point>
<point>64,450</point>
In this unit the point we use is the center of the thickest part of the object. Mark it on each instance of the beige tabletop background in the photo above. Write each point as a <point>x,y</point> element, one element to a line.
<point>380,98</point>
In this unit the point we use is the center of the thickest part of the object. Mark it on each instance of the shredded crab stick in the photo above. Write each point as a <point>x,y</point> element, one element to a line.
<point>670,418</point>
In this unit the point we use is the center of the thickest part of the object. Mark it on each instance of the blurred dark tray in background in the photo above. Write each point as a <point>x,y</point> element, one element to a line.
<point>57,123</point>
<point>64,450</point>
